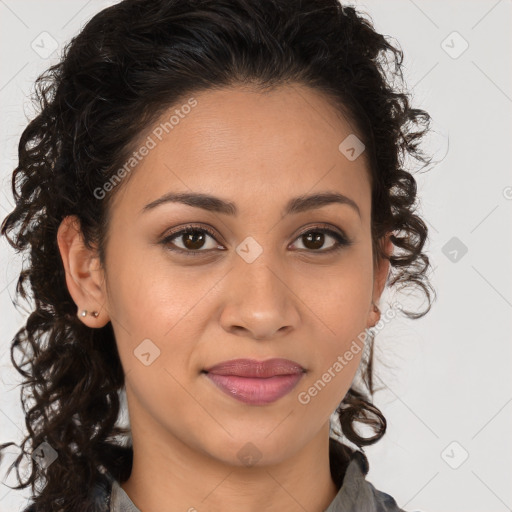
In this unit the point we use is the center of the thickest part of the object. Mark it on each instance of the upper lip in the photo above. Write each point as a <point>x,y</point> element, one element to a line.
<point>254,368</point>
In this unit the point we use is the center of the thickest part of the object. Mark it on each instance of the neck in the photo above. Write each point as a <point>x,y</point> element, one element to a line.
<point>169,476</point>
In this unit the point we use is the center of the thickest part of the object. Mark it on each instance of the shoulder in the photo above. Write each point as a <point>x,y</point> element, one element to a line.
<point>378,501</point>
<point>383,501</point>
<point>356,492</point>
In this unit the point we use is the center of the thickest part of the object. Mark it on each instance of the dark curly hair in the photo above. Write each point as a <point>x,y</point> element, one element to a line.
<point>128,65</point>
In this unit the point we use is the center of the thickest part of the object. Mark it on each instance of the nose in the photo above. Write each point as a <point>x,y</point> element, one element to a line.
<point>259,301</point>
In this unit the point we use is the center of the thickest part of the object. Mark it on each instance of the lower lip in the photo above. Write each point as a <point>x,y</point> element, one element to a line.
<point>255,391</point>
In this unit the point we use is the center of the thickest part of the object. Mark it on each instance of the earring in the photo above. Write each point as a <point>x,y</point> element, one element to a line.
<point>83,313</point>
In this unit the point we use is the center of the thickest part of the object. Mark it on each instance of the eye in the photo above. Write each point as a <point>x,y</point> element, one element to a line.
<point>193,240</point>
<point>314,238</point>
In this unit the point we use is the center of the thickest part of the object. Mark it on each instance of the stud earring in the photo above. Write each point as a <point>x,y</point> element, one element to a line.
<point>83,313</point>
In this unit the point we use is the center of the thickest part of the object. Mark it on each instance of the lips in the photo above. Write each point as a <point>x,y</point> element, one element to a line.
<point>256,382</point>
<point>253,368</point>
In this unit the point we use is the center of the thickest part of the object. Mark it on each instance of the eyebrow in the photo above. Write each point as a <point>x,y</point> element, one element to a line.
<point>215,204</point>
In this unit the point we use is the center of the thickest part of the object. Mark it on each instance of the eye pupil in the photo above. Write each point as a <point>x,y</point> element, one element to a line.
<point>193,236</point>
<point>317,239</point>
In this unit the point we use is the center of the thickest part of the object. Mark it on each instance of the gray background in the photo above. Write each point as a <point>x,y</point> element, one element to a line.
<point>445,378</point>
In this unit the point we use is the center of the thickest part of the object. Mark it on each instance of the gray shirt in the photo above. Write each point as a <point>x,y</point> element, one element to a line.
<point>355,495</point>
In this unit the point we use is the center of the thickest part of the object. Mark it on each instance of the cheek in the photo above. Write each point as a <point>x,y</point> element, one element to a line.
<point>152,299</point>
<point>340,308</point>
<point>340,294</point>
<point>334,363</point>
<point>147,293</point>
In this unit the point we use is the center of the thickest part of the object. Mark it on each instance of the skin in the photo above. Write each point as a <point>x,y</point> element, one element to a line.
<point>294,300</point>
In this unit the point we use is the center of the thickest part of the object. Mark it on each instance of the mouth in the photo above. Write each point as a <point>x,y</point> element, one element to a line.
<point>256,382</point>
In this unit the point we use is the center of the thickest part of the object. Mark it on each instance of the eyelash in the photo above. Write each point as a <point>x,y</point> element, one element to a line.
<point>341,241</point>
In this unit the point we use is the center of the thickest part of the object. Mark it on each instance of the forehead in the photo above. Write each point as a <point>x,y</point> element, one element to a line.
<point>242,143</point>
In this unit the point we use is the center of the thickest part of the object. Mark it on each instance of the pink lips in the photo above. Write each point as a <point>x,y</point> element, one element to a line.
<point>256,382</point>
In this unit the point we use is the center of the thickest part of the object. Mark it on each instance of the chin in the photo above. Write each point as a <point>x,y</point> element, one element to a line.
<point>251,451</point>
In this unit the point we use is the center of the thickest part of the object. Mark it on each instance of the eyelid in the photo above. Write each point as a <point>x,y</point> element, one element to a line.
<point>326,227</point>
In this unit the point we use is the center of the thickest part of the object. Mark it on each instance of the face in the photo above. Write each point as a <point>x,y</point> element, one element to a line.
<point>258,284</point>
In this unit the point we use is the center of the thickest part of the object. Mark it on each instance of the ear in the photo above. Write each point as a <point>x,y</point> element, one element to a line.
<point>380,277</point>
<point>84,274</point>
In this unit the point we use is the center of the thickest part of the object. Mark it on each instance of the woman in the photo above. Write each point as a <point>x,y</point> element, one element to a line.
<point>213,201</point>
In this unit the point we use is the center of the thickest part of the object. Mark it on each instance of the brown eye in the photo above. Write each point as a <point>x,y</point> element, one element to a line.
<point>193,241</point>
<point>314,240</point>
